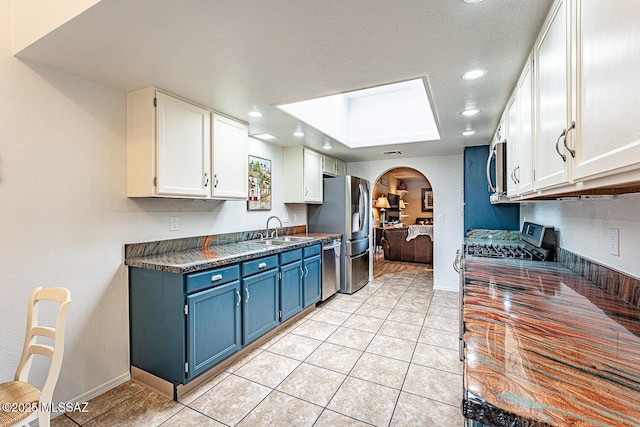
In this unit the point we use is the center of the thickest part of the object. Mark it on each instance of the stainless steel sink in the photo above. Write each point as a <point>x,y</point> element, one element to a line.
<point>273,242</point>
<point>283,240</point>
<point>293,239</point>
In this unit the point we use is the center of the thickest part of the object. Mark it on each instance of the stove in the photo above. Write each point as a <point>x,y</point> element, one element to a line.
<point>537,243</point>
<point>497,251</point>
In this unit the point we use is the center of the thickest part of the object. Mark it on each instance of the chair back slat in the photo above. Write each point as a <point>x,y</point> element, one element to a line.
<point>43,331</point>
<point>41,349</point>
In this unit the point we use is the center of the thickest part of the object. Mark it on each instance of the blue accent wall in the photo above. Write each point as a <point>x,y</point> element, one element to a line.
<point>478,211</point>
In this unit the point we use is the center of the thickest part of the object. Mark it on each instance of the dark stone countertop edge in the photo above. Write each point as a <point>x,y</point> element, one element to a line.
<point>478,410</point>
<point>150,263</point>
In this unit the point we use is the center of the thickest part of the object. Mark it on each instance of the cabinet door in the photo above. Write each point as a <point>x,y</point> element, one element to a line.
<point>524,173</point>
<point>213,326</point>
<point>607,138</point>
<point>312,280</point>
<point>312,177</point>
<point>341,168</point>
<point>512,146</point>
<point>328,166</point>
<point>552,95</point>
<point>230,159</point>
<point>183,148</point>
<point>290,289</point>
<point>260,308</point>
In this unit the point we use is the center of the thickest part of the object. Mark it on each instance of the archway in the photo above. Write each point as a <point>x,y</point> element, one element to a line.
<point>402,197</point>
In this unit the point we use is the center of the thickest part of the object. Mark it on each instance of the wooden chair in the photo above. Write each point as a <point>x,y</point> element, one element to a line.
<point>19,392</point>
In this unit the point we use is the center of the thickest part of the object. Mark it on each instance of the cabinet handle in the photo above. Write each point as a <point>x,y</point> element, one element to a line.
<point>573,152</point>
<point>216,277</point>
<point>513,176</point>
<point>246,293</point>
<point>301,273</point>
<point>206,179</point>
<point>562,135</point>
<point>306,272</point>
<point>239,298</point>
<point>215,176</point>
<point>516,174</point>
<point>262,265</point>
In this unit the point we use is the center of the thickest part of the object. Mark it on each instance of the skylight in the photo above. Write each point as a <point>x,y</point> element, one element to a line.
<point>396,113</point>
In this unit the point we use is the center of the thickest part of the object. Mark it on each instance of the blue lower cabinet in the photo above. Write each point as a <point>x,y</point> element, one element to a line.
<point>290,290</point>
<point>214,326</point>
<point>260,296</point>
<point>312,281</point>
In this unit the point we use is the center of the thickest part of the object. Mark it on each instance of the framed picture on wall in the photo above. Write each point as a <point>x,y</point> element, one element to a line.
<point>259,184</point>
<point>427,200</point>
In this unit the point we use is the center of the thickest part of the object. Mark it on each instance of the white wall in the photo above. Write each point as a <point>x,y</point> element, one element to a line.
<point>584,228</point>
<point>446,177</point>
<point>64,216</point>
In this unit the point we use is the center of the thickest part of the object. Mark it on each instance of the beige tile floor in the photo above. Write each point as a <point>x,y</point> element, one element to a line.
<point>384,356</point>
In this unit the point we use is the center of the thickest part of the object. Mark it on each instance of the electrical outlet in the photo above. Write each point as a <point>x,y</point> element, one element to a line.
<point>285,217</point>
<point>295,216</point>
<point>614,241</point>
<point>441,218</point>
<point>174,223</point>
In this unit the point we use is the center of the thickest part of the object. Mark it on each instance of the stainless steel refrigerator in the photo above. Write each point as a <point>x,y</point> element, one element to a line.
<point>345,210</point>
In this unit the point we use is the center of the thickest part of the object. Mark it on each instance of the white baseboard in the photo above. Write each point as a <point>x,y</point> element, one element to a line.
<point>103,388</point>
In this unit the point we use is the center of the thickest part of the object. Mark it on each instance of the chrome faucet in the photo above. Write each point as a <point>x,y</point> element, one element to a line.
<point>276,230</point>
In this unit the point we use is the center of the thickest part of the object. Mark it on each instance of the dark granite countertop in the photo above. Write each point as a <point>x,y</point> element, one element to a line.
<point>197,259</point>
<point>545,347</point>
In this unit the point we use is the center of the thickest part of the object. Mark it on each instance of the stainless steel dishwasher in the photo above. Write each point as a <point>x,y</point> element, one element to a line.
<point>330,268</point>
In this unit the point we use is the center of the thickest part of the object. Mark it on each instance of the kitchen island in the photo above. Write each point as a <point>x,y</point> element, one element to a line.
<point>546,347</point>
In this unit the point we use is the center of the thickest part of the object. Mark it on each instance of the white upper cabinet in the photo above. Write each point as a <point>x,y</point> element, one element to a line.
<point>552,95</point>
<point>519,132</point>
<point>302,175</point>
<point>524,172</point>
<point>587,63</point>
<point>168,146</point>
<point>230,158</point>
<point>333,167</point>
<point>607,135</point>
<point>511,121</point>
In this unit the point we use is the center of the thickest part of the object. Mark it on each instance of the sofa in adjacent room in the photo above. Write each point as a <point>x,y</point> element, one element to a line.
<point>397,248</point>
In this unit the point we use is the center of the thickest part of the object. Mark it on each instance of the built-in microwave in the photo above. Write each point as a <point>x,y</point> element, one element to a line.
<point>497,157</point>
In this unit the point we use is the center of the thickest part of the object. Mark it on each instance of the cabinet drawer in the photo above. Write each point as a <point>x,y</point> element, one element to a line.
<point>209,278</point>
<point>258,265</point>
<point>290,256</point>
<point>311,251</point>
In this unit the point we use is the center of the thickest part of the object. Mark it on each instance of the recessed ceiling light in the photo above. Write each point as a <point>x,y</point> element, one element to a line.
<point>474,74</point>
<point>468,132</point>
<point>327,145</point>
<point>298,133</point>
<point>472,1</point>
<point>255,114</point>
<point>264,136</point>
<point>470,112</point>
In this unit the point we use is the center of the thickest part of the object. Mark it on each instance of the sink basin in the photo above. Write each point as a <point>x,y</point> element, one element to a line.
<point>292,239</point>
<point>273,242</point>
<point>283,240</point>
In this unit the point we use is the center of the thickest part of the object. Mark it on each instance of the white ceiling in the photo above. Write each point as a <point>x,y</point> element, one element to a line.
<point>239,55</point>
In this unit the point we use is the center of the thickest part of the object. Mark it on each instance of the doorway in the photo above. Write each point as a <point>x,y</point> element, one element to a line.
<point>401,197</point>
